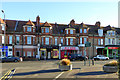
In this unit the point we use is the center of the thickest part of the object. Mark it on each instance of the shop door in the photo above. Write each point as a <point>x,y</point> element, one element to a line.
<point>43,55</point>
<point>62,54</point>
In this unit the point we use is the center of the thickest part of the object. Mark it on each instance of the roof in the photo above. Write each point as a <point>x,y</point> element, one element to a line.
<point>1,21</point>
<point>46,24</point>
<point>30,23</point>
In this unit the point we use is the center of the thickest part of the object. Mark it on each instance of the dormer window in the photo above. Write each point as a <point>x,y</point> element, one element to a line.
<point>71,31</point>
<point>28,29</point>
<point>46,30</point>
<point>80,30</point>
<point>85,30</point>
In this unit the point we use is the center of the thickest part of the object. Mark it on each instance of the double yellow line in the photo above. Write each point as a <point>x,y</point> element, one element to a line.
<point>5,77</point>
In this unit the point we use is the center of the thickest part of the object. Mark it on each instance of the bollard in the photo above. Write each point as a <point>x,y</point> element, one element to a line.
<point>92,61</point>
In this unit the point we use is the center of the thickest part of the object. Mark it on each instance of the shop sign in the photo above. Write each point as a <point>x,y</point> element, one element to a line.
<point>112,47</point>
<point>69,48</point>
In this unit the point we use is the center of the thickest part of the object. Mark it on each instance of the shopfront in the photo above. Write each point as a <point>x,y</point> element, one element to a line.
<point>43,53</point>
<point>67,50</point>
<point>4,51</point>
<point>111,52</point>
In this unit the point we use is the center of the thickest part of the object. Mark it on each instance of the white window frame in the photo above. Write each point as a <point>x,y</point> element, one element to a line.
<point>47,40</point>
<point>46,30</point>
<point>80,40</point>
<point>85,30</point>
<point>2,39</point>
<point>29,29</point>
<point>28,39</point>
<point>71,41</point>
<point>71,31</point>
<point>17,39</point>
<point>10,39</point>
<point>55,41</point>
<point>80,30</point>
<point>29,54</point>
<point>99,41</point>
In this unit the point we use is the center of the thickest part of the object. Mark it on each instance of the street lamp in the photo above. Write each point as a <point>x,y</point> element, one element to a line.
<point>4,29</point>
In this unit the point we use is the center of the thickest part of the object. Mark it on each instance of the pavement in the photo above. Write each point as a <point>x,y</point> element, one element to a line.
<point>48,69</point>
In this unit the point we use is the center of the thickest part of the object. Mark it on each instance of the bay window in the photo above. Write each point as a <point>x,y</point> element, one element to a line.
<point>17,39</point>
<point>10,39</point>
<point>71,41</point>
<point>46,30</point>
<point>47,40</point>
<point>71,31</point>
<point>28,29</point>
<point>29,40</point>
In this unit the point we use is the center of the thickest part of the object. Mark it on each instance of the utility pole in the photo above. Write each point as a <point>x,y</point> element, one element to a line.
<point>4,31</point>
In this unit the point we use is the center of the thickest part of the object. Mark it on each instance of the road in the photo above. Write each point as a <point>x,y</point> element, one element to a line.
<point>48,69</point>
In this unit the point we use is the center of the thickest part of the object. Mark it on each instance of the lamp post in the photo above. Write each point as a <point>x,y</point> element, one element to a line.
<point>4,29</point>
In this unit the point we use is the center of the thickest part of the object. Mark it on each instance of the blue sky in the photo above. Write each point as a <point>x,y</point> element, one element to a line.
<point>63,12</point>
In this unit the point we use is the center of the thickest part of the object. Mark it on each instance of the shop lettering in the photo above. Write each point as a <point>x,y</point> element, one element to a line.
<point>69,48</point>
<point>112,47</point>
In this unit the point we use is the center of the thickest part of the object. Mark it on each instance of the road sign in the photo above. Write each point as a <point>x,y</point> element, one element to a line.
<point>87,44</point>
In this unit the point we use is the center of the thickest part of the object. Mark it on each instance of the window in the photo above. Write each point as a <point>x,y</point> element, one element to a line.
<point>108,41</point>
<point>28,29</point>
<point>80,30</point>
<point>61,40</point>
<point>33,29</point>
<point>113,33</point>
<point>109,33</point>
<point>67,31</point>
<point>113,41</point>
<point>3,27</point>
<point>42,40</point>
<point>33,53</point>
<point>29,40</point>
<point>99,40</point>
<point>85,40</point>
<point>29,54</point>
<point>2,39</point>
<point>67,41</point>
<point>85,30</point>
<point>24,54</point>
<point>33,40</point>
<point>71,41</point>
<point>46,30</point>
<point>10,39</point>
<point>24,29</point>
<point>47,40</point>
<point>55,41</point>
<point>42,30</point>
<point>71,31</point>
<point>81,40</point>
<point>17,39</point>
<point>24,39</point>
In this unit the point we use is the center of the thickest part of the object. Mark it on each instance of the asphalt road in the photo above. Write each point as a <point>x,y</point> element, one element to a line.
<point>49,69</point>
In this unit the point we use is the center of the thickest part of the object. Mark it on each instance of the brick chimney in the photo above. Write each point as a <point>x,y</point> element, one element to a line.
<point>97,23</point>
<point>38,21</point>
<point>72,22</point>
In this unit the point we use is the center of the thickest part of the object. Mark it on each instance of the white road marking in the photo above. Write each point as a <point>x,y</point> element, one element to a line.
<point>58,75</point>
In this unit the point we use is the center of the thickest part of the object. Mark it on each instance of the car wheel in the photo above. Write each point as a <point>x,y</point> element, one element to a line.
<point>15,60</point>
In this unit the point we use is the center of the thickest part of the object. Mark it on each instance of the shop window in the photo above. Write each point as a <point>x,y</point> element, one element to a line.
<point>29,54</point>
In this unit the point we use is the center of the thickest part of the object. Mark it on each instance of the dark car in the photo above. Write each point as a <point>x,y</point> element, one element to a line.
<point>10,59</point>
<point>76,57</point>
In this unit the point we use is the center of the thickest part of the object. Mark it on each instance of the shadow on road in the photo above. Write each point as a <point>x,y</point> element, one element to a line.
<point>92,73</point>
<point>37,72</point>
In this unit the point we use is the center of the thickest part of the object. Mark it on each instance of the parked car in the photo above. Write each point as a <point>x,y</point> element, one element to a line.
<point>10,59</point>
<point>101,57</point>
<point>76,57</point>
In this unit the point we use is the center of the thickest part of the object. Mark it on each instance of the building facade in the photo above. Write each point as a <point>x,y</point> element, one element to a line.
<point>52,40</point>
